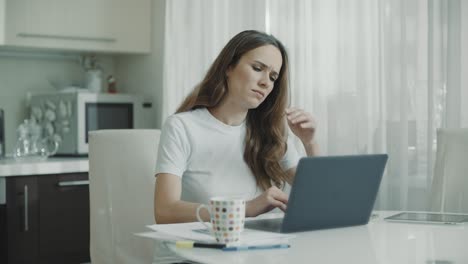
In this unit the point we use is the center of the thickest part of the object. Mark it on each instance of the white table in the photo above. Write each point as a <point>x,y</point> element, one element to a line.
<point>377,242</point>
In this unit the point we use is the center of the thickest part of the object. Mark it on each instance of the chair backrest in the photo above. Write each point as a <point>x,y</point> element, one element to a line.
<point>121,175</point>
<point>449,191</point>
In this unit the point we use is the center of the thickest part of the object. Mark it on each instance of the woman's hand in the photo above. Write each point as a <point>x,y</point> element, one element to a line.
<point>302,124</point>
<point>267,201</point>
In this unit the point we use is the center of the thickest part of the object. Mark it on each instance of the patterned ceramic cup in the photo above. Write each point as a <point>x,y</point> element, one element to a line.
<point>227,215</point>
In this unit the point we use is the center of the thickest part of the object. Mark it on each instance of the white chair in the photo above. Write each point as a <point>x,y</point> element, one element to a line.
<point>121,175</point>
<point>450,181</point>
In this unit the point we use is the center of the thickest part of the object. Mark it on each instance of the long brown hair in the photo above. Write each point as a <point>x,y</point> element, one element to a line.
<point>265,140</point>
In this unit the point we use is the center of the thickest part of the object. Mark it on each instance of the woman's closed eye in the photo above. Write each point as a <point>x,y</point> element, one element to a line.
<point>257,68</point>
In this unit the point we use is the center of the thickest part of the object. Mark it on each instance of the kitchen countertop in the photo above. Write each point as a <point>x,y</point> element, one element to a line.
<point>10,167</point>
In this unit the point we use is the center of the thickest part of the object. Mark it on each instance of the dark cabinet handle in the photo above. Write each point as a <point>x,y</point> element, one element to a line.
<point>26,208</point>
<point>73,183</point>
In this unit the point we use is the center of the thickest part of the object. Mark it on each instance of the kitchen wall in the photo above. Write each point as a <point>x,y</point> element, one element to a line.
<point>25,72</point>
<point>143,74</point>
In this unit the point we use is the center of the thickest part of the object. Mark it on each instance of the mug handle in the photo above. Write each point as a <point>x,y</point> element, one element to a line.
<point>200,219</point>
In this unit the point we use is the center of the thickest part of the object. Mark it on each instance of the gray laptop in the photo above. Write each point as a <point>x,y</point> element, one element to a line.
<point>328,192</point>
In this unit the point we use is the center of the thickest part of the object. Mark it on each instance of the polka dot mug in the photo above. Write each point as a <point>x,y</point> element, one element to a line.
<point>227,217</point>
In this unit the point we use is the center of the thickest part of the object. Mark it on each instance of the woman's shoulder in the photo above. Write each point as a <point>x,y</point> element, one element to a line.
<point>186,117</point>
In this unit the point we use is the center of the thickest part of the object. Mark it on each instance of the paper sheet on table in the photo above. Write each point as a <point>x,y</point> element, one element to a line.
<point>157,236</point>
<point>197,232</point>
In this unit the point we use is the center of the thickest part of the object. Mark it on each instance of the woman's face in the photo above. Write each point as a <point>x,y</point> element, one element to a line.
<point>253,78</point>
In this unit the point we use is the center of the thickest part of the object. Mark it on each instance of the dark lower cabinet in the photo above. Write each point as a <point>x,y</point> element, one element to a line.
<point>3,234</point>
<point>46,219</point>
<point>22,221</point>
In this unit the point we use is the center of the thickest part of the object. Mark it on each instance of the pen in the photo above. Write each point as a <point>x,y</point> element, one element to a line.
<point>192,244</point>
<point>239,248</point>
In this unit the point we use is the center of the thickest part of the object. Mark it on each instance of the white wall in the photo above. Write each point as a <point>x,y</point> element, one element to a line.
<point>143,74</point>
<point>23,72</point>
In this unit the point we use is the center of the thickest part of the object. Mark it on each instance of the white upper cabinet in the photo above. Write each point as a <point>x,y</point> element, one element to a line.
<point>81,25</point>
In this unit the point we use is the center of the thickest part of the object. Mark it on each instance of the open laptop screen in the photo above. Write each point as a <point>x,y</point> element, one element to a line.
<point>331,191</point>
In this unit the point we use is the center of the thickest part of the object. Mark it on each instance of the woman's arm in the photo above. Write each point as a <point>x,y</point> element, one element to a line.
<point>168,208</point>
<point>303,125</point>
<point>311,149</point>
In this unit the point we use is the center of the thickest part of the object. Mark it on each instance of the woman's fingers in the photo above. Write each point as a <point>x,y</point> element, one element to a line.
<point>277,198</point>
<point>307,125</point>
<point>280,195</point>
<point>293,112</point>
<point>267,201</point>
<point>301,123</point>
<point>279,204</point>
<point>300,118</point>
<point>297,116</point>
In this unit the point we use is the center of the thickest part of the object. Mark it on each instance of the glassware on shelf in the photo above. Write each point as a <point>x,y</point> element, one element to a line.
<point>31,145</point>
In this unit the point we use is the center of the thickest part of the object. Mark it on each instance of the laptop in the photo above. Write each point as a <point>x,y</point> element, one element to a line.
<point>329,192</point>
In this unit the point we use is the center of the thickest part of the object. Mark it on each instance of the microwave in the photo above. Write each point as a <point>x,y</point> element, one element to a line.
<point>69,116</point>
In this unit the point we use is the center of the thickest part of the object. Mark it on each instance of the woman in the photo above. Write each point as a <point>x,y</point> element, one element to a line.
<point>229,137</point>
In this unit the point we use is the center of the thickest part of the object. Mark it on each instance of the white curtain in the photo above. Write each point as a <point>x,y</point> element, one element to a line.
<point>195,32</point>
<point>379,76</point>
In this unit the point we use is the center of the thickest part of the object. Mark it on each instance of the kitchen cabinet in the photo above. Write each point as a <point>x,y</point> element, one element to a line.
<point>46,219</point>
<point>22,220</point>
<point>85,25</point>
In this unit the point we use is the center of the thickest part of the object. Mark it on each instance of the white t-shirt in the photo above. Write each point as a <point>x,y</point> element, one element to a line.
<point>208,156</point>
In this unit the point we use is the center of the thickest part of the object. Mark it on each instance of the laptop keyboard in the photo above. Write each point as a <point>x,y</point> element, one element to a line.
<point>271,225</point>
